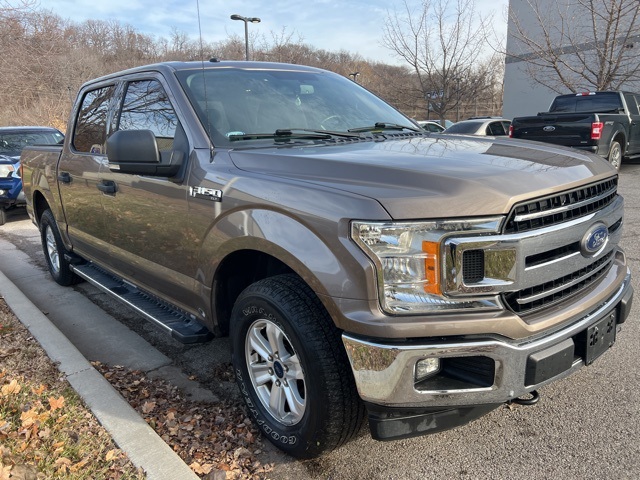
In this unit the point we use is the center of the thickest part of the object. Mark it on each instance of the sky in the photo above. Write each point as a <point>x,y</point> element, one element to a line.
<point>334,25</point>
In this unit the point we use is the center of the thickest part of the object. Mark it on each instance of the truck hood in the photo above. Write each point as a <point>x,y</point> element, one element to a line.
<point>432,177</point>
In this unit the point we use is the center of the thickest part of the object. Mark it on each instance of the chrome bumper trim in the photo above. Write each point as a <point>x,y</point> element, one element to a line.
<point>384,374</point>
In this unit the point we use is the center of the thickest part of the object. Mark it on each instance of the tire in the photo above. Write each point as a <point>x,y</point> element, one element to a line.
<point>3,216</point>
<point>305,400</point>
<point>54,251</point>
<point>615,155</point>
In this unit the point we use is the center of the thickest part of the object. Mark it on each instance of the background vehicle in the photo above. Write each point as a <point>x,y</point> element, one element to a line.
<point>430,126</point>
<point>12,141</point>
<point>357,262</point>
<point>606,123</point>
<point>481,126</point>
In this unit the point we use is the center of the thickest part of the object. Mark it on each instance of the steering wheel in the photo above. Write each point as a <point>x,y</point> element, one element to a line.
<point>332,122</point>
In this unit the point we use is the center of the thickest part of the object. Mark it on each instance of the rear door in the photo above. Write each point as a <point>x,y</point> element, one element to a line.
<point>79,177</point>
<point>634,125</point>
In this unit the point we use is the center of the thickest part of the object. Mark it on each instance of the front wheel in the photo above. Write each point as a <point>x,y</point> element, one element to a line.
<point>292,369</point>
<point>615,155</point>
<point>54,251</point>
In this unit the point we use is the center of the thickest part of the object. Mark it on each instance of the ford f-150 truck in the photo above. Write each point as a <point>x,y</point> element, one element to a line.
<point>606,123</point>
<point>361,266</point>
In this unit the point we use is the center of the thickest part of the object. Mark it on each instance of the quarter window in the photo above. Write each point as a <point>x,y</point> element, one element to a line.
<point>147,107</point>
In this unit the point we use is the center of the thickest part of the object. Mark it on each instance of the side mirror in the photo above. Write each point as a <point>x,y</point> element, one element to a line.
<point>136,152</point>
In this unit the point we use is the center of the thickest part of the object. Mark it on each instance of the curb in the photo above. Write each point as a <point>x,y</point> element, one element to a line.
<point>144,447</point>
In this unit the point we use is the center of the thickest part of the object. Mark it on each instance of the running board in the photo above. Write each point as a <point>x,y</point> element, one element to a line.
<point>183,327</point>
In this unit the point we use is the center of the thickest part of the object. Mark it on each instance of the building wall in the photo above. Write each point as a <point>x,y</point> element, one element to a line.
<point>523,96</point>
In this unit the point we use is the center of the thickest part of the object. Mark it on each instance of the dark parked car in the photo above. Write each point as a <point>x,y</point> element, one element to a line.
<point>481,126</point>
<point>12,141</point>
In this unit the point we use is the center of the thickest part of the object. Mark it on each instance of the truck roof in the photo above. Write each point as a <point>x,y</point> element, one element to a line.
<point>212,63</point>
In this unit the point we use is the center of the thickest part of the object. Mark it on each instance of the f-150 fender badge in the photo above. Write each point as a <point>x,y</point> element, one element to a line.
<point>594,240</point>
<point>206,193</point>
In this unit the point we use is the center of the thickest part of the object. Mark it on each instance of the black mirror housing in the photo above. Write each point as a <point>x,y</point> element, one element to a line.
<point>136,152</point>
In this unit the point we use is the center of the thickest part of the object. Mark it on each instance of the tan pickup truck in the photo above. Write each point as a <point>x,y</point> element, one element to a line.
<point>362,266</point>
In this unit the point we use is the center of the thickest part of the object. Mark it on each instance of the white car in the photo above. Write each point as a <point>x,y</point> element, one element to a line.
<point>430,126</point>
<point>493,126</point>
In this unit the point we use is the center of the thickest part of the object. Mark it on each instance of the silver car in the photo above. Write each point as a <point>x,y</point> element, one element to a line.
<point>493,126</point>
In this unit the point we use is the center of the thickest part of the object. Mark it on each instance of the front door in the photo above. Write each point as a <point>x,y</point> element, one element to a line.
<point>147,216</point>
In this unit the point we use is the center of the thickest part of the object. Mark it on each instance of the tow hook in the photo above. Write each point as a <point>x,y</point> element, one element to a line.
<point>530,399</point>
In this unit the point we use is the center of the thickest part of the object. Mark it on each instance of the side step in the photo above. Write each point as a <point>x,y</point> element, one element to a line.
<point>183,327</point>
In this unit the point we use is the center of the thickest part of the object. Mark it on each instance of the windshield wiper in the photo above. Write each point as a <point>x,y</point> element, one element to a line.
<point>293,133</point>
<point>384,126</point>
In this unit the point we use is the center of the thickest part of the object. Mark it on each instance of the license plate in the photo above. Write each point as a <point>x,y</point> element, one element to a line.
<point>598,338</point>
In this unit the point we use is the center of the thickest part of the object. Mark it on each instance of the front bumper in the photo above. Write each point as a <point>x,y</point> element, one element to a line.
<point>385,373</point>
<point>11,192</point>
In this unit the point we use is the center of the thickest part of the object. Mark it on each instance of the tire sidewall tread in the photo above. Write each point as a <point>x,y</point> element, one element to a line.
<point>65,275</point>
<point>334,412</point>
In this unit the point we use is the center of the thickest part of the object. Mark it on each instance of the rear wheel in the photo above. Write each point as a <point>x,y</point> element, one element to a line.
<point>54,251</point>
<point>615,155</point>
<point>292,369</point>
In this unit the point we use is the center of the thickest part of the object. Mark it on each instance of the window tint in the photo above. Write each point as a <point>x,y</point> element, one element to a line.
<point>147,107</point>
<point>12,142</point>
<point>463,127</point>
<point>90,133</point>
<point>496,128</point>
<point>598,103</point>
<point>631,103</point>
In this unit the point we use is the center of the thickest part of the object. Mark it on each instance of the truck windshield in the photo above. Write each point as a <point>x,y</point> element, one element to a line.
<point>237,104</point>
<point>595,103</point>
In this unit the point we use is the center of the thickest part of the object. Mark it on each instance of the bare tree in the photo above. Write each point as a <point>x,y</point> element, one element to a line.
<point>443,42</point>
<point>576,44</point>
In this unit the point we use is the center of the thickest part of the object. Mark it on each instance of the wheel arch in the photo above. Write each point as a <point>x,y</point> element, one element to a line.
<point>40,205</point>
<point>272,243</point>
<point>621,138</point>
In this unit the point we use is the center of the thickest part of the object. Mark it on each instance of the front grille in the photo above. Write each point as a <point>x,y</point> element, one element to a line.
<point>554,291</point>
<point>555,209</point>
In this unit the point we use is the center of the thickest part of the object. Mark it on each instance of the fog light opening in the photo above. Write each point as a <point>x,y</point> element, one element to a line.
<point>426,368</point>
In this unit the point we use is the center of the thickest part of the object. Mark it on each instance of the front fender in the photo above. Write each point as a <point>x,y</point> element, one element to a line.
<point>321,252</point>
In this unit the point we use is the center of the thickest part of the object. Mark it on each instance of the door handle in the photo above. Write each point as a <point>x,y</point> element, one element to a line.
<point>64,177</point>
<point>107,186</point>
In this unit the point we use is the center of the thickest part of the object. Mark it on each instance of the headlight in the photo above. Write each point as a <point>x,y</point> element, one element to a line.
<point>6,170</point>
<point>410,264</point>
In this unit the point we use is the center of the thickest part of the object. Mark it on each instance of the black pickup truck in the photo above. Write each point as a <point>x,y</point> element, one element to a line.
<point>606,123</point>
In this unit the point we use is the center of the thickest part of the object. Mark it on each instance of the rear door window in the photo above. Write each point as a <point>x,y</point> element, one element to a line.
<point>631,103</point>
<point>596,103</point>
<point>90,133</point>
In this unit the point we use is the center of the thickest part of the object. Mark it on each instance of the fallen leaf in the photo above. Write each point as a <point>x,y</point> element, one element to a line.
<point>39,390</point>
<point>148,407</point>
<point>11,387</point>
<point>56,403</point>
<point>111,454</point>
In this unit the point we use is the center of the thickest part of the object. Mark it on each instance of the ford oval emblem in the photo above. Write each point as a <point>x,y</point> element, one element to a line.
<point>594,240</point>
<point>549,128</point>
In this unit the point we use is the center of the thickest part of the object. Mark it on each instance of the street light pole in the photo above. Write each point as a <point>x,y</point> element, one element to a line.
<point>246,21</point>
